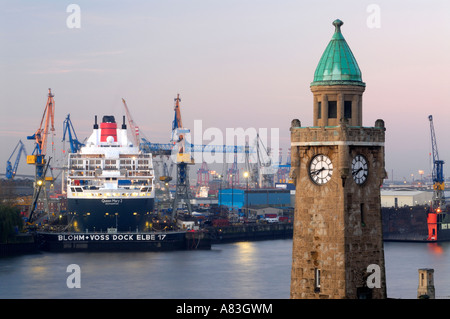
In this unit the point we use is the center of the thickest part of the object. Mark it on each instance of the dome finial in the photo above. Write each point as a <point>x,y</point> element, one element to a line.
<point>338,23</point>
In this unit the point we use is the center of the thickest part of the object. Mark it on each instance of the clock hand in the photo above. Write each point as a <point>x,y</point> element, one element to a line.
<point>316,172</point>
<point>357,171</point>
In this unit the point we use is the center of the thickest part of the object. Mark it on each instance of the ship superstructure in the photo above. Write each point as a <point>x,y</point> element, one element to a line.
<point>110,182</point>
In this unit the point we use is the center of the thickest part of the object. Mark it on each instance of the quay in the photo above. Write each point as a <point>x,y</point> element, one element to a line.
<point>145,241</point>
<point>250,232</point>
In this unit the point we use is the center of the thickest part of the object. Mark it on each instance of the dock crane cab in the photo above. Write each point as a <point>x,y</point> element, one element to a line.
<point>438,205</point>
<point>179,135</point>
<point>12,170</point>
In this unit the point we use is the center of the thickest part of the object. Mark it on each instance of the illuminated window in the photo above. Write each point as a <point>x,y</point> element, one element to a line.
<point>316,280</point>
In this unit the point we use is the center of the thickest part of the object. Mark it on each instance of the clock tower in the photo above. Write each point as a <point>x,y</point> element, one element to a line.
<point>338,167</point>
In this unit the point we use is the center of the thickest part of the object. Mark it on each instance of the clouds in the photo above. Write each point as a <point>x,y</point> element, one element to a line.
<point>84,62</point>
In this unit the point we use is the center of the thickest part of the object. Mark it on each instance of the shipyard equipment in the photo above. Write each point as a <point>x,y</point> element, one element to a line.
<point>38,157</point>
<point>167,173</point>
<point>435,214</point>
<point>203,175</point>
<point>266,170</point>
<point>438,171</point>
<point>134,128</point>
<point>12,170</point>
<point>179,152</point>
<point>75,145</point>
<point>183,159</point>
<point>282,174</point>
<point>233,173</point>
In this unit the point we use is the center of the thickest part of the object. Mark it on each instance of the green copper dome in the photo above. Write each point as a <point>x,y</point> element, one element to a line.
<point>337,66</point>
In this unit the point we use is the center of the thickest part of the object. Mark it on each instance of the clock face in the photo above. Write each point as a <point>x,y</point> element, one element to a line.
<point>360,169</point>
<point>321,169</point>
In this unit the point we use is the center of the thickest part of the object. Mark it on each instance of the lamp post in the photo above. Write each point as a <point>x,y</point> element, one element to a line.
<point>220,191</point>
<point>232,193</point>
<point>246,175</point>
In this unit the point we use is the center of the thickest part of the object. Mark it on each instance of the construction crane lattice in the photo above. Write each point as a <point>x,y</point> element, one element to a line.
<point>437,172</point>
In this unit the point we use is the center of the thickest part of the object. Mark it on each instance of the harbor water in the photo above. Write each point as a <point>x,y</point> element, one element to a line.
<point>243,270</point>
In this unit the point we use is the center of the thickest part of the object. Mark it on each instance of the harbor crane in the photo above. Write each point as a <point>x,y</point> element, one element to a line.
<point>75,145</point>
<point>38,157</point>
<point>133,126</point>
<point>203,175</point>
<point>434,216</point>
<point>438,171</point>
<point>183,159</point>
<point>12,170</point>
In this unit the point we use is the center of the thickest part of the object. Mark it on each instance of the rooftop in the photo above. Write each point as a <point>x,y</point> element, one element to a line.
<point>337,66</point>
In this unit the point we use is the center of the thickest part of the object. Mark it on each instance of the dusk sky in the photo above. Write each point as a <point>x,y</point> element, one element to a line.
<point>235,63</point>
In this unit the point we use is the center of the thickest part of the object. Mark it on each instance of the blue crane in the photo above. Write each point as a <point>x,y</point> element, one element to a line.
<point>10,170</point>
<point>184,146</point>
<point>438,171</point>
<point>75,145</point>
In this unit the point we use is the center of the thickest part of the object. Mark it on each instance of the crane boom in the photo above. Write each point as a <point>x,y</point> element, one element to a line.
<point>178,134</point>
<point>75,145</point>
<point>133,126</point>
<point>48,118</point>
<point>12,170</point>
<point>177,123</point>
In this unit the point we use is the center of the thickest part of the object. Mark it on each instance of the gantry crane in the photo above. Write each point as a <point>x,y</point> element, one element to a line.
<point>434,215</point>
<point>10,170</point>
<point>38,158</point>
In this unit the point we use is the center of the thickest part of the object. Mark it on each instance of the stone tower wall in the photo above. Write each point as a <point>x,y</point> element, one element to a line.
<point>337,226</point>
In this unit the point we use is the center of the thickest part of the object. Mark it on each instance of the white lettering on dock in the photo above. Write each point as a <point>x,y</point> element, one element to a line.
<point>109,237</point>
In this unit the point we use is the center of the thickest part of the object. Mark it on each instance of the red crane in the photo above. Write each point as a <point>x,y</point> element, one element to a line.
<point>41,134</point>
<point>133,126</point>
<point>203,175</point>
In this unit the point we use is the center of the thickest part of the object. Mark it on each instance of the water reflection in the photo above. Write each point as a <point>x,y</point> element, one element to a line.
<point>245,252</point>
<point>435,248</point>
<point>240,270</point>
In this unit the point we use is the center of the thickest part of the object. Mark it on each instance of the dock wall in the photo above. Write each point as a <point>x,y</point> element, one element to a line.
<point>250,232</point>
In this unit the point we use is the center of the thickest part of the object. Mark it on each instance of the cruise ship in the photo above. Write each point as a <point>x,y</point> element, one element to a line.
<point>110,182</point>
